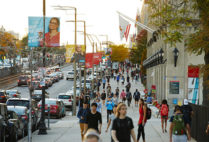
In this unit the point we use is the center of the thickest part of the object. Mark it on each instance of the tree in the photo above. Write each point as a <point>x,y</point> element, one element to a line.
<point>119,53</point>
<point>174,18</point>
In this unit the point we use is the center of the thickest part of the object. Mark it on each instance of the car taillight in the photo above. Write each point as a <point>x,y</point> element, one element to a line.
<point>39,105</point>
<point>40,86</point>
<point>18,81</point>
<point>2,96</point>
<point>14,95</point>
<point>53,106</point>
<point>70,100</point>
<point>25,117</point>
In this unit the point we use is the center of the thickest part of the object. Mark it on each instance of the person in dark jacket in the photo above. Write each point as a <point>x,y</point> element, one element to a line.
<point>82,113</point>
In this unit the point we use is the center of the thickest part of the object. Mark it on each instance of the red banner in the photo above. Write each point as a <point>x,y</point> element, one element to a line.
<point>89,60</point>
<point>193,72</point>
<point>97,58</point>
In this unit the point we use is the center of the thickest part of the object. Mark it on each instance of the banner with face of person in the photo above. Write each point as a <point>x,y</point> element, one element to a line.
<point>52,32</point>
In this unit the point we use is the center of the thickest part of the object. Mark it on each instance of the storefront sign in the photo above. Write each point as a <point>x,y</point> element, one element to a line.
<point>174,87</point>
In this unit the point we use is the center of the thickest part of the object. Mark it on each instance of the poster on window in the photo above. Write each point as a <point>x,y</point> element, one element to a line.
<point>193,89</point>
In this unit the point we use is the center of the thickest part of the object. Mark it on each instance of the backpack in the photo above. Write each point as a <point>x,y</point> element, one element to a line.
<point>148,113</point>
<point>164,110</point>
<point>179,126</point>
<point>128,95</point>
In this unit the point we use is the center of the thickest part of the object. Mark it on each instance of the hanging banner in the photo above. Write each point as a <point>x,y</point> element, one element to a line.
<point>97,58</point>
<point>52,32</point>
<point>89,60</point>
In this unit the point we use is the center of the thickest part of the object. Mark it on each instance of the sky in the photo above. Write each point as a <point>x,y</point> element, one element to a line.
<point>100,16</point>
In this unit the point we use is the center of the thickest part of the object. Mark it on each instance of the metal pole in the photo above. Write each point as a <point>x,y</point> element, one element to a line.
<point>74,65</point>
<point>30,97</point>
<point>42,127</point>
<point>85,55</point>
<point>96,69</point>
<point>80,76</point>
<point>93,73</point>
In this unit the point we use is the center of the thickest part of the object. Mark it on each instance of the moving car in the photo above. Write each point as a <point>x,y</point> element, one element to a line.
<point>3,96</point>
<point>67,99</point>
<point>23,80</point>
<point>70,75</point>
<point>37,94</point>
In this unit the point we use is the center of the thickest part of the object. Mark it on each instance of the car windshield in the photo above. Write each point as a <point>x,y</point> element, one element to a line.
<point>1,93</point>
<point>23,77</point>
<point>70,73</point>
<point>64,97</point>
<point>38,92</point>
<point>51,102</point>
<point>18,103</point>
<point>19,111</point>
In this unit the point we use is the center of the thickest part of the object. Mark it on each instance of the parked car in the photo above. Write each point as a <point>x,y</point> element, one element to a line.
<point>13,94</point>
<point>37,94</point>
<point>67,99</point>
<point>70,75</point>
<point>8,131</point>
<point>3,96</point>
<point>21,111</point>
<point>54,105</point>
<point>25,102</point>
<point>23,80</point>
<point>48,81</point>
<point>61,74</point>
<point>63,110</point>
<point>13,117</point>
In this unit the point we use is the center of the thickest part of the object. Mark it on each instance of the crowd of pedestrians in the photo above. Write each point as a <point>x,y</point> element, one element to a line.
<point>121,125</point>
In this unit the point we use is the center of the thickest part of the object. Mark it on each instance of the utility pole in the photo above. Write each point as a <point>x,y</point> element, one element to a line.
<point>74,65</point>
<point>85,56</point>
<point>42,127</point>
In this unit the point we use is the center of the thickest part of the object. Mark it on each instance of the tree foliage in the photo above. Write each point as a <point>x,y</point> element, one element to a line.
<point>119,53</point>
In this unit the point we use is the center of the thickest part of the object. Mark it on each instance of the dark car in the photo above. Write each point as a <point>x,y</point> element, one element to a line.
<point>3,96</point>
<point>13,117</point>
<point>23,80</point>
<point>34,109</point>
<point>54,105</point>
<point>37,94</point>
<point>8,131</point>
<point>21,111</point>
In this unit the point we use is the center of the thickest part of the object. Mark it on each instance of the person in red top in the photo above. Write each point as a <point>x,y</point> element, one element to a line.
<point>123,96</point>
<point>164,110</point>
<point>142,119</point>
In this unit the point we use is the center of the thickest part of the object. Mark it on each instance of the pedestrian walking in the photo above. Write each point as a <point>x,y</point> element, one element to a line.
<point>136,97</point>
<point>108,79</point>
<point>164,109</point>
<point>82,114</point>
<point>81,100</point>
<point>122,80</point>
<point>103,97</point>
<point>114,76</point>
<point>98,85</point>
<point>112,117</point>
<point>92,136</point>
<point>115,99</point>
<point>108,89</point>
<point>128,78</point>
<point>128,86</point>
<point>187,111</point>
<point>118,79</point>
<point>122,127</point>
<point>123,96</point>
<point>103,82</point>
<point>117,92</point>
<point>142,119</point>
<point>93,119</point>
<point>179,127</point>
<point>128,98</point>
<point>99,105</point>
<point>109,104</point>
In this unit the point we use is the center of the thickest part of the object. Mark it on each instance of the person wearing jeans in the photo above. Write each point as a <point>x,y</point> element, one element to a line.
<point>82,113</point>
<point>109,104</point>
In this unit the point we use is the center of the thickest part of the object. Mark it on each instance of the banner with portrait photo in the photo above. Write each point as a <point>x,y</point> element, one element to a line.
<point>52,32</point>
<point>78,53</point>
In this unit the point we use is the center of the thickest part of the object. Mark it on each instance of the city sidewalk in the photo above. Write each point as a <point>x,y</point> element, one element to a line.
<point>68,130</point>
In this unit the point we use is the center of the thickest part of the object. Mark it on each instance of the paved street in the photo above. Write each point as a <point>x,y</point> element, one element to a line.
<point>67,129</point>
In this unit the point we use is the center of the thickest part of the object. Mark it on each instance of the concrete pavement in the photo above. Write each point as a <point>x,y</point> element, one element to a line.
<point>67,129</point>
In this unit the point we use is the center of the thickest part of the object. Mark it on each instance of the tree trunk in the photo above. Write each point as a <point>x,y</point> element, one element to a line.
<point>205,85</point>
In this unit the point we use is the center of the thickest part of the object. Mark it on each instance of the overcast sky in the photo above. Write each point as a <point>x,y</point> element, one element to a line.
<point>100,16</point>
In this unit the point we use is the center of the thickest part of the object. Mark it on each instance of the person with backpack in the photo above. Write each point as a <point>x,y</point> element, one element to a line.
<point>129,98</point>
<point>122,127</point>
<point>128,78</point>
<point>109,104</point>
<point>142,119</point>
<point>103,97</point>
<point>123,96</point>
<point>128,86</point>
<point>136,97</point>
<point>164,109</point>
<point>187,111</point>
<point>179,127</point>
<point>117,92</point>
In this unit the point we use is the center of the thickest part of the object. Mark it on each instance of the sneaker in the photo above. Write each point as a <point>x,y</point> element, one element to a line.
<point>165,130</point>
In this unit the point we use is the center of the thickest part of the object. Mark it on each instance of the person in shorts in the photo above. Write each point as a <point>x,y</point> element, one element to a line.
<point>103,97</point>
<point>164,110</point>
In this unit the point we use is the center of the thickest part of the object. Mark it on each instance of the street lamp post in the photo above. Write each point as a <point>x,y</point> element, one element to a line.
<point>42,127</point>
<point>176,54</point>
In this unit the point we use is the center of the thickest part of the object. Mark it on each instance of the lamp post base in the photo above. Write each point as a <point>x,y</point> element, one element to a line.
<point>42,129</point>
